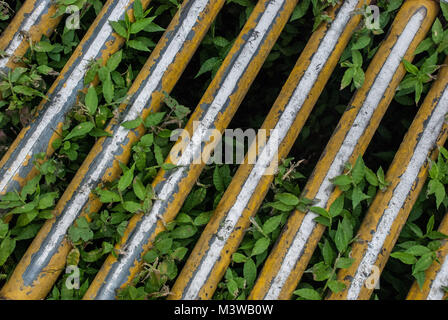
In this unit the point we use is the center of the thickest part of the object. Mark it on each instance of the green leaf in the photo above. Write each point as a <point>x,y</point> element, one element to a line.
<point>371,177</point>
<point>336,286</point>
<point>164,245</point>
<point>184,232</point>
<point>132,124</point>
<point>358,196</point>
<point>418,250</point>
<point>328,253</point>
<point>139,25</point>
<point>139,188</point>
<point>119,28</point>
<point>337,206</point>
<point>25,218</point>
<point>108,90</point>
<point>320,211</point>
<point>287,198</point>
<point>343,235</point>
<point>347,78</point>
<point>404,257</point>
<point>138,45</point>
<point>410,67</point>
<point>358,171</point>
<point>114,60</point>
<point>153,119</point>
<point>250,272</point>
<point>342,180</point>
<point>344,263</point>
<point>423,263</point>
<point>361,43</point>
<point>218,181</point>
<point>47,200</point>
<point>132,206</point>
<point>208,65</point>
<point>107,196</point>
<point>437,31</point>
<point>260,246</point>
<point>308,294</point>
<point>6,248</point>
<point>43,46</point>
<point>438,189</point>
<point>300,10</point>
<point>91,100</point>
<point>126,179</point>
<point>239,257</point>
<point>138,10</point>
<point>271,224</point>
<point>80,130</point>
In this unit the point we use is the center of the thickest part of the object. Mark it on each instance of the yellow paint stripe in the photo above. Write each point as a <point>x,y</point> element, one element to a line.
<point>320,44</point>
<point>299,221</point>
<point>142,230</point>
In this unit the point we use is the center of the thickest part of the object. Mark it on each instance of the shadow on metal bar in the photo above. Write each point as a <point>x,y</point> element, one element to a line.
<point>296,244</point>
<point>35,274</point>
<point>220,239</point>
<point>32,21</point>
<point>214,111</point>
<point>17,165</point>
<point>390,209</point>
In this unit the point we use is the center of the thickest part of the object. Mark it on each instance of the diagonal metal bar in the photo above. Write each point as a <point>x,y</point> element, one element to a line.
<point>45,258</point>
<point>100,41</point>
<point>295,246</point>
<point>215,110</point>
<point>32,21</point>
<point>390,209</point>
<point>220,239</point>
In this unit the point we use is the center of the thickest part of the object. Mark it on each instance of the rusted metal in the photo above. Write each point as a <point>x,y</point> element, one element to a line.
<point>295,246</point>
<point>32,21</point>
<point>45,258</point>
<point>390,209</point>
<point>215,110</point>
<point>100,41</point>
<point>220,239</point>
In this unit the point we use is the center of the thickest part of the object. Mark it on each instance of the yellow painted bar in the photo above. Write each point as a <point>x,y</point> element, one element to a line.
<point>390,209</point>
<point>291,254</point>
<point>34,278</point>
<point>436,275</point>
<point>289,112</point>
<point>215,110</point>
<point>32,21</point>
<point>16,166</point>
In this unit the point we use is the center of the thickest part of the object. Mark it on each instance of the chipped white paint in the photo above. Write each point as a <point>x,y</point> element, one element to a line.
<point>54,107</point>
<point>270,150</point>
<point>360,123</point>
<point>82,194</point>
<point>18,37</point>
<point>436,291</point>
<point>400,194</point>
<point>193,148</point>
